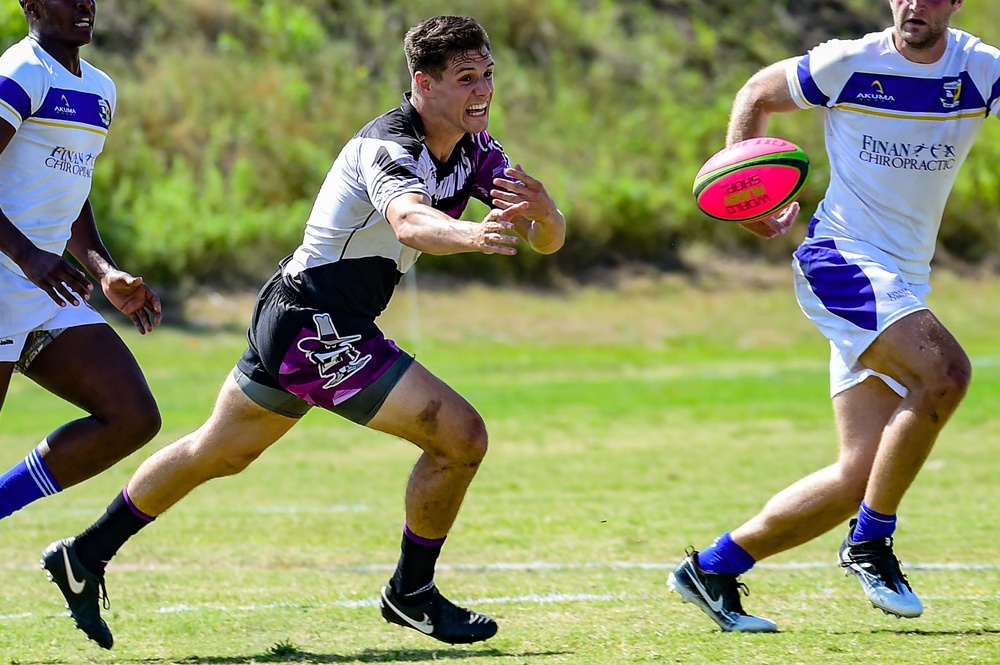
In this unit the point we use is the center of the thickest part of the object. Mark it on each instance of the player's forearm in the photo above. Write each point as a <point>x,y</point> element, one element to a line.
<point>86,246</point>
<point>13,242</point>
<point>546,236</point>
<point>434,232</point>
<point>765,93</point>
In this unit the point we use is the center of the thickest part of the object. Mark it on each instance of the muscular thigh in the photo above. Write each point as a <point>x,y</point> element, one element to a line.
<point>425,410</point>
<point>91,367</point>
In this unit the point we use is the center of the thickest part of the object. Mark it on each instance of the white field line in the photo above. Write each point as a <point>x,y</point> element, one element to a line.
<point>541,599</point>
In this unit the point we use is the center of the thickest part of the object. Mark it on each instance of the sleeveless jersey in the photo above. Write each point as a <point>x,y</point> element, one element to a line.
<point>350,259</point>
<point>62,121</point>
<point>896,134</point>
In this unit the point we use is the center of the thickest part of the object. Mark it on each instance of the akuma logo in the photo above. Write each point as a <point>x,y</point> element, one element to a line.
<point>878,95</point>
<point>65,107</point>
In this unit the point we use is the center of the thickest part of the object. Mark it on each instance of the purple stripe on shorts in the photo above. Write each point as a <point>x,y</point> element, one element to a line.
<point>844,289</point>
<point>325,369</point>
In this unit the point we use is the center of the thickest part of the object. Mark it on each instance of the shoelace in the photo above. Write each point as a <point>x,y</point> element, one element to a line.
<point>882,559</point>
<point>103,595</point>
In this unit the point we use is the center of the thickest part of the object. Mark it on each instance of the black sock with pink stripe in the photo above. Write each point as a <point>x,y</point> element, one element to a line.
<point>102,539</point>
<point>414,577</point>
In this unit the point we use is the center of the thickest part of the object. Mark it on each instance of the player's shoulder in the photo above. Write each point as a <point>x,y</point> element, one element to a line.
<point>973,45</point>
<point>393,129</point>
<point>870,45</point>
<point>96,74</point>
<point>22,58</point>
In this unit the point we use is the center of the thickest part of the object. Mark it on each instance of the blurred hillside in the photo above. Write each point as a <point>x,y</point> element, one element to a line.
<point>231,111</point>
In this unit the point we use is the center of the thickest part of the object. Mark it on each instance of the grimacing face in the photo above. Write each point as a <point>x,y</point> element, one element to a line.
<point>463,94</point>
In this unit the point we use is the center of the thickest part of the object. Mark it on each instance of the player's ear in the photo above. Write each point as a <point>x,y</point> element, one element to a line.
<point>423,81</point>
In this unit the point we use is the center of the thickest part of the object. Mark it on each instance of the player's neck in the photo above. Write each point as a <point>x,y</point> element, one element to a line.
<point>67,56</point>
<point>440,141</point>
<point>924,54</point>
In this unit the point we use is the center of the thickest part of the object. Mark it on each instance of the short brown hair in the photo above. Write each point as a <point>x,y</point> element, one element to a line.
<point>431,44</point>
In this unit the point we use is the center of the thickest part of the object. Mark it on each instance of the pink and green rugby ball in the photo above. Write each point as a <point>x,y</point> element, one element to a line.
<point>751,180</point>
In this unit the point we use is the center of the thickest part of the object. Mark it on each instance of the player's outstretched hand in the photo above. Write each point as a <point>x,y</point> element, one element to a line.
<point>776,225</point>
<point>496,232</point>
<point>545,229</point>
<point>519,187</point>
<point>63,282</point>
<point>132,297</point>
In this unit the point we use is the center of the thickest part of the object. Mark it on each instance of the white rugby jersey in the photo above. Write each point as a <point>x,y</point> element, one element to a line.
<point>896,134</point>
<point>62,121</point>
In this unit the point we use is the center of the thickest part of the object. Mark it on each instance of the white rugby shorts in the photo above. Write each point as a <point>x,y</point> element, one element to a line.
<point>853,291</point>
<point>25,308</point>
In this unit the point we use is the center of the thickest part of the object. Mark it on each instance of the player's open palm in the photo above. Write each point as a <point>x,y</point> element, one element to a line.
<point>132,297</point>
<point>520,188</point>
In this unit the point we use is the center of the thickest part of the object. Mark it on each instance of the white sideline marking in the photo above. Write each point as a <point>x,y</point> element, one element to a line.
<point>539,599</point>
<point>627,565</point>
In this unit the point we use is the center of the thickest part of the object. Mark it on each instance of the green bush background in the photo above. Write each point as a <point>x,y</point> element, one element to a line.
<point>231,111</point>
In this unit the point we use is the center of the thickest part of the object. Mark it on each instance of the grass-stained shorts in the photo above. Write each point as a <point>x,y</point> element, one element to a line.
<point>299,357</point>
<point>27,311</point>
<point>853,291</point>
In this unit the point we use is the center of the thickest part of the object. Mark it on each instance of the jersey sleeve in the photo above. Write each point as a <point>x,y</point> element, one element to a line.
<point>388,170</point>
<point>816,78</point>
<point>492,160</point>
<point>22,87</point>
<point>993,78</point>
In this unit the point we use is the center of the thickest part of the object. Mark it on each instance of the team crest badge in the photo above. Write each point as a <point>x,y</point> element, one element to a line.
<point>335,356</point>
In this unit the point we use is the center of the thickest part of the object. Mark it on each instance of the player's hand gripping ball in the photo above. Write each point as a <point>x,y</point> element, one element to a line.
<point>751,180</point>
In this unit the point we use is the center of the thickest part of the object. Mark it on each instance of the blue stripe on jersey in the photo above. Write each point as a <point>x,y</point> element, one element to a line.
<point>994,95</point>
<point>844,289</point>
<point>14,96</point>
<point>84,108</point>
<point>810,90</point>
<point>944,96</point>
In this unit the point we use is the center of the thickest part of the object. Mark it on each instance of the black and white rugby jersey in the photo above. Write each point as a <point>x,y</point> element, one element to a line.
<point>350,259</point>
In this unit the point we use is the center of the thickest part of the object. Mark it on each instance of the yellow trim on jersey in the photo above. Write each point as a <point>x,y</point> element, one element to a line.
<point>12,110</point>
<point>798,92</point>
<point>902,116</point>
<point>66,125</point>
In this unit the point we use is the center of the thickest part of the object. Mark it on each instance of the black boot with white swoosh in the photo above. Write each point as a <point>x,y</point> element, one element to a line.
<point>83,590</point>
<point>718,596</point>
<point>438,617</point>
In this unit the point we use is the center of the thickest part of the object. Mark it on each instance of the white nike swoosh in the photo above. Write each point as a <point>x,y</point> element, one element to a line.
<point>75,585</point>
<point>425,625</point>
<point>714,603</point>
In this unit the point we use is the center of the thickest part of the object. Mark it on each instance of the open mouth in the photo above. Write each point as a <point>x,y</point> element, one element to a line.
<point>86,23</point>
<point>477,110</point>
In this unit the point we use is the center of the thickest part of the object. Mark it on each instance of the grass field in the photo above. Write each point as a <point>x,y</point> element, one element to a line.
<point>625,424</point>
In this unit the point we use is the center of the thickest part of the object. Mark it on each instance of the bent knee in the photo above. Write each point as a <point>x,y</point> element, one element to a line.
<point>468,445</point>
<point>949,386</point>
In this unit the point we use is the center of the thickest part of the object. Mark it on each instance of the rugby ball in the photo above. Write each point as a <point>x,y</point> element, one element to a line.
<point>751,180</point>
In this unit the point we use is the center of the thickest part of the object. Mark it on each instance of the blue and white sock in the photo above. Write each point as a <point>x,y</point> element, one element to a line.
<point>24,483</point>
<point>725,557</point>
<point>872,525</point>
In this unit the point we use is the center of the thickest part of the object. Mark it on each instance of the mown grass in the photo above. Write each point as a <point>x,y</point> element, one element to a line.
<point>625,423</point>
